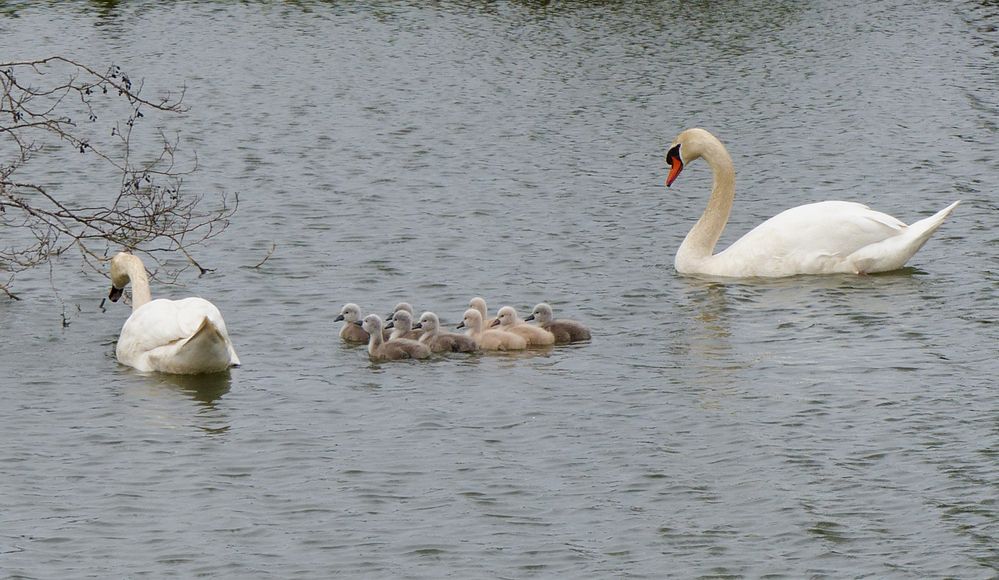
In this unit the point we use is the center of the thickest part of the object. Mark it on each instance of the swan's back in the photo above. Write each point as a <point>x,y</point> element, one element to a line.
<point>816,238</point>
<point>185,336</point>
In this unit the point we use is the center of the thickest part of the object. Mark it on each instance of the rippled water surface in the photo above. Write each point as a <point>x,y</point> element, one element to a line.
<point>808,427</point>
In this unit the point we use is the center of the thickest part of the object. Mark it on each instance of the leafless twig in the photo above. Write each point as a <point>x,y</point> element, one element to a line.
<point>150,213</point>
<point>268,256</point>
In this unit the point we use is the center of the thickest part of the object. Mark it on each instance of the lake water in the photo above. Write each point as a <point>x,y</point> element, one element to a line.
<point>807,427</point>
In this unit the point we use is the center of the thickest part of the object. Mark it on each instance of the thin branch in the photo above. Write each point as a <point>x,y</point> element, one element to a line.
<point>151,213</point>
<point>268,256</point>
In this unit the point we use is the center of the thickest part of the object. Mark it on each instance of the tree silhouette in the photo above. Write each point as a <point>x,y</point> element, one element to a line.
<point>55,103</point>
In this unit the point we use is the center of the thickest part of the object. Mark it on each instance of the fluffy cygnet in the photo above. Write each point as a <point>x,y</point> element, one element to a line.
<point>402,326</point>
<point>442,341</point>
<point>387,330</point>
<point>400,307</point>
<point>490,339</point>
<point>479,304</point>
<point>350,331</point>
<point>563,329</point>
<point>508,321</point>
<point>379,350</point>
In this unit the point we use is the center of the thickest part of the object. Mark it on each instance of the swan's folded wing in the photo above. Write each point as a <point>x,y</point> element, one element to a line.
<point>162,322</point>
<point>819,231</point>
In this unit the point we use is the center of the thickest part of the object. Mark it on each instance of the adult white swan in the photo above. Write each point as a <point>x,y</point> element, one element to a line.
<point>828,237</point>
<point>170,336</point>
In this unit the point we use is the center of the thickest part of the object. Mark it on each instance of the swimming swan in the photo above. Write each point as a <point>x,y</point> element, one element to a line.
<point>443,341</point>
<point>508,321</point>
<point>183,337</point>
<point>490,339</point>
<point>563,330</point>
<point>818,238</point>
<point>379,350</point>
<point>350,331</point>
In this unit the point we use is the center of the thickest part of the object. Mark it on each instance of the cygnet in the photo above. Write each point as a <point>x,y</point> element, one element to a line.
<point>379,350</point>
<point>507,320</point>
<point>402,326</point>
<point>350,331</point>
<point>442,341</point>
<point>564,330</point>
<point>490,339</point>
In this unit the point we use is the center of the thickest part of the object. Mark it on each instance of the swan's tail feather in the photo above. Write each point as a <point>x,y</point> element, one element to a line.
<point>924,228</point>
<point>893,253</point>
<point>206,351</point>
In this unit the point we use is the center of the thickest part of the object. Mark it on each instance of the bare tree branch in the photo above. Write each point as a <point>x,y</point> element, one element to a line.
<point>150,213</point>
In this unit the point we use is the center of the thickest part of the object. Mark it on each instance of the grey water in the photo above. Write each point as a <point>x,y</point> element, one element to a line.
<point>823,427</point>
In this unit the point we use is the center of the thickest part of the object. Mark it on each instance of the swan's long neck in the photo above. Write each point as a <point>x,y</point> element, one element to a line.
<point>375,340</point>
<point>140,284</point>
<point>700,241</point>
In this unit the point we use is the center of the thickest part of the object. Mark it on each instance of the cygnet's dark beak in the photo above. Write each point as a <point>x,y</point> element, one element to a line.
<point>461,324</point>
<point>359,323</point>
<point>115,294</point>
<point>391,324</point>
<point>390,317</point>
<point>338,318</point>
<point>495,322</point>
<point>418,325</point>
<point>529,318</point>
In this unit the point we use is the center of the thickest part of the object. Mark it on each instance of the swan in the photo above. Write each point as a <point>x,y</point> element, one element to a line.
<point>563,330</point>
<point>489,339</point>
<point>379,350</point>
<point>479,304</point>
<point>351,332</point>
<point>508,321</point>
<point>183,337</point>
<point>402,326</point>
<point>828,237</point>
<point>442,341</point>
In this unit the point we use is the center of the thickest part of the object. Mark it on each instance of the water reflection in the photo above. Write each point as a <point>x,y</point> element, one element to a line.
<point>154,396</point>
<point>206,389</point>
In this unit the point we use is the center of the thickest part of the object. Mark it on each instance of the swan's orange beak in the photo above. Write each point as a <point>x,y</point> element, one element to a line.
<point>676,166</point>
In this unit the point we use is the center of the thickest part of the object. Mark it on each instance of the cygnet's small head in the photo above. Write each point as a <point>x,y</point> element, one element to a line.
<point>542,313</point>
<point>506,316</point>
<point>372,324</point>
<point>402,320</point>
<point>121,263</point>
<point>428,322</point>
<point>688,146</point>
<point>471,320</point>
<point>400,307</point>
<point>479,304</point>
<point>350,312</point>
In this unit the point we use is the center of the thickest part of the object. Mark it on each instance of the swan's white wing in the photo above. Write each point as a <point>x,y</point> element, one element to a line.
<point>811,239</point>
<point>161,323</point>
